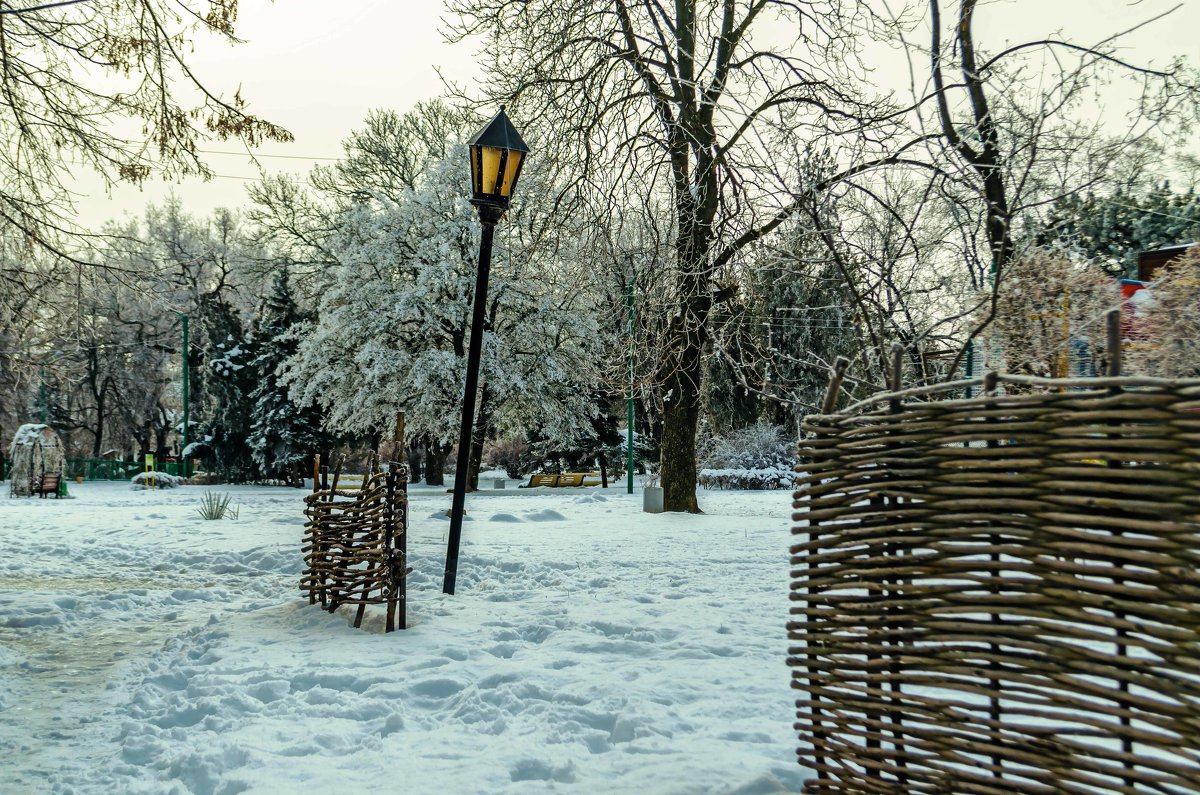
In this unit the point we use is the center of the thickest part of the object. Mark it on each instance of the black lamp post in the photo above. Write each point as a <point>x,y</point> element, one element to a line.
<point>497,155</point>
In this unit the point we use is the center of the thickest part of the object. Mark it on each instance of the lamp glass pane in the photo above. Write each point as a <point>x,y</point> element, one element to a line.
<point>510,172</point>
<point>491,168</point>
<point>476,177</point>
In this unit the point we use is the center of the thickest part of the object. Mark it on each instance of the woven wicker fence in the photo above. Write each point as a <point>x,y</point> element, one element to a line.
<point>1001,594</point>
<point>355,542</point>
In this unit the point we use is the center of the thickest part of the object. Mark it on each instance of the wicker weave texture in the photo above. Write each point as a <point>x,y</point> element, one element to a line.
<point>355,544</point>
<point>1001,594</point>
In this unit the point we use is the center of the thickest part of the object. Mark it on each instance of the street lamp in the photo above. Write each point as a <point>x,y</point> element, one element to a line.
<point>497,155</point>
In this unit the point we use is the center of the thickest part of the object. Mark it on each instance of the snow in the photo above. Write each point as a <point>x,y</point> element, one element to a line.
<point>590,648</point>
<point>161,480</point>
<point>28,434</point>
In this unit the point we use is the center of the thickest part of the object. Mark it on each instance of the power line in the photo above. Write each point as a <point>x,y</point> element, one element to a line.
<point>280,157</point>
<point>27,9</point>
<point>1184,218</point>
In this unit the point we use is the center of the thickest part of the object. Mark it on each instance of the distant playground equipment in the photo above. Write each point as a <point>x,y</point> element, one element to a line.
<point>568,479</point>
<point>38,462</point>
<point>356,540</point>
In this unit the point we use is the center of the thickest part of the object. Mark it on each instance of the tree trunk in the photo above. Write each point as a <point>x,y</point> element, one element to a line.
<point>603,459</point>
<point>685,338</point>
<point>677,461</point>
<point>414,462</point>
<point>98,430</point>
<point>435,463</point>
<point>161,451</point>
<point>483,421</point>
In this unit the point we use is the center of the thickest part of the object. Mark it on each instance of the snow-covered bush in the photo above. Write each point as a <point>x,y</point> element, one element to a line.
<point>758,456</point>
<point>747,479</point>
<point>758,446</point>
<point>511,454</point>
<point>157,480</point>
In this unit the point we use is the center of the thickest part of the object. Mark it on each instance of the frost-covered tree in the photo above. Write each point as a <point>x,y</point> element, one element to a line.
<point>1167,343</point>
<point>808,321</point>
<point>393,320</point>
<point>1048,308</point>
<point>283,436</point>
<point>230,352</point>
<point>1114,229</point>
<point>108,85</point>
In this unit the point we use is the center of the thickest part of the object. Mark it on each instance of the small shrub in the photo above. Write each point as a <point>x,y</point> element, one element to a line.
<point>759,446</point>
<point>216,506</point>
<point>755,457</point>
<point>511,454</point>
<point>155,480</point>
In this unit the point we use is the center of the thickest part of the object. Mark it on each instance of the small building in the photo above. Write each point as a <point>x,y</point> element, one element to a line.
<point>1151,262</point>
<point>36,450</point>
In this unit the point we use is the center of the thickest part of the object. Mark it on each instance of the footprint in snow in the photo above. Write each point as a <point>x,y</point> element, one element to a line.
<point>540,770</point>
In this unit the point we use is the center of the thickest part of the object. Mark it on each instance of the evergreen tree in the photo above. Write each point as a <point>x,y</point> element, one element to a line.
<point>733,386</point>
<point>283,437</point>
<point>806,321</point>
<point>1114,229</point>
<point>230,353</point>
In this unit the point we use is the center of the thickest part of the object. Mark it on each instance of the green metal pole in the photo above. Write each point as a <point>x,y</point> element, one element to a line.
<point>629,418</point>
<point>186,424</point>
<point>970,367</point>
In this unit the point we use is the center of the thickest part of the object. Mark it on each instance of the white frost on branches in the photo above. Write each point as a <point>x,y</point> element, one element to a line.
<point>394,319</point>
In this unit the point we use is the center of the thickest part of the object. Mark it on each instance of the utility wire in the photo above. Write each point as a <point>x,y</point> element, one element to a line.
<point>1187,219</point>
<point>281,157</point>
<point>28,9</point>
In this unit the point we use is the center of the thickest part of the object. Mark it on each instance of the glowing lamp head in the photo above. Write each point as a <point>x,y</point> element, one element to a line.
<point>497,155</point>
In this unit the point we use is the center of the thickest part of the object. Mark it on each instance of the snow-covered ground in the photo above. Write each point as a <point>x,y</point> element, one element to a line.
<point>591,648</point>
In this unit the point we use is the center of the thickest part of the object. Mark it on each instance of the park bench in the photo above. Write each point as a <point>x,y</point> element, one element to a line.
<point>567,479</point>
<point>47,484</point>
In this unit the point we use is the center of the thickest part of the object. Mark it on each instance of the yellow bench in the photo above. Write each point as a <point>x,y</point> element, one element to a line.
<point>567,479</point>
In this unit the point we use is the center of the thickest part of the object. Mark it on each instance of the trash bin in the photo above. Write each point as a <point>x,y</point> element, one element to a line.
<point>652,499</point>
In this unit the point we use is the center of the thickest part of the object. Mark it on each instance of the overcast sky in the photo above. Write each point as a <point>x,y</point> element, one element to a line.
<point>316,67</point>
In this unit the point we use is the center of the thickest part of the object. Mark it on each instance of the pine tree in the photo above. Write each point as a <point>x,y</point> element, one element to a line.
<point>229,353</point>
<point>283,437</point>
<point>806,322</point>
<point>1115,229</point>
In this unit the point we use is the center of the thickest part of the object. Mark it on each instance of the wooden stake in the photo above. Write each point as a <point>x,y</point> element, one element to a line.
<point>835,385</point>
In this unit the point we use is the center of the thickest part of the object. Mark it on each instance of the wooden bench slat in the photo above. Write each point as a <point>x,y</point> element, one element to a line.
<point>47,484</point>
<point>567,479</point>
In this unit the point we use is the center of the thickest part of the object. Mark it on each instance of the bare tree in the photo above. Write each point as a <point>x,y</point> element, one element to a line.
<point>1023,126</point>
<point>693,96</point>
<point>106,85</point>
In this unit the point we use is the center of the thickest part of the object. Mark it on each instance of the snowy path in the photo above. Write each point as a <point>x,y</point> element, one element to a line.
<point>590,648</point>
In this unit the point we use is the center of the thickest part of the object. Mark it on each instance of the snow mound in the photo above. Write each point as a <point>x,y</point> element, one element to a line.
<point>161,480</point>
<point>444,516</point>
<point>28,433</point>
<point>590,498</point>
<point>505,517</point>
<point>545,515</point>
